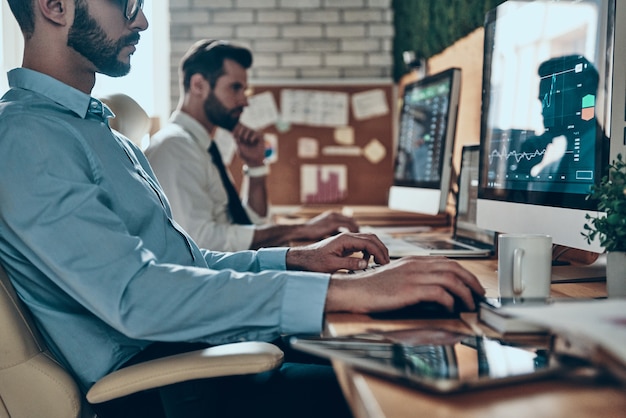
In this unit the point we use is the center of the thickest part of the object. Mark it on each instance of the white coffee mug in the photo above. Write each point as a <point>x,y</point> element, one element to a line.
<point>524,266</point>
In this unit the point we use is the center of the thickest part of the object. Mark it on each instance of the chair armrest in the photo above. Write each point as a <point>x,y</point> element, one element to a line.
<point>223,360</point>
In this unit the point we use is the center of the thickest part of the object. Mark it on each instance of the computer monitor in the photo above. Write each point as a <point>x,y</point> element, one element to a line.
<point>424,145</point>
<point>553,113</point>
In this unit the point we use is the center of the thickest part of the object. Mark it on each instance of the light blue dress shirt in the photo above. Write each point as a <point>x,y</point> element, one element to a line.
<point>88,240</point>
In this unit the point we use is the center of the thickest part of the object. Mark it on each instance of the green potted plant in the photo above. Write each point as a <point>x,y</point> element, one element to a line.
<point>610,226</point>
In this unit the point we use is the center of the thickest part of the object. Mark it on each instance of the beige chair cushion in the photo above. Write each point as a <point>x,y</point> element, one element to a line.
<point>224,360</point>
<point>130,119</point>
<point>32,383</point>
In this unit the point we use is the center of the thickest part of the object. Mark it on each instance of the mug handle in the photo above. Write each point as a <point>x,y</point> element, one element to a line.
<point>518,286</point>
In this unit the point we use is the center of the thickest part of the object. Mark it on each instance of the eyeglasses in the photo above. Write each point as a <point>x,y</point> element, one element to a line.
<point>131,8</point>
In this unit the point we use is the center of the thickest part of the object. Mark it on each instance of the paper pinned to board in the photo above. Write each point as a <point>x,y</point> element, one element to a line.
<point>308,147</point>
<point>375,151</point>
<point>326,183</point>
<point>315,108</point>
<point>344,135</point>
<point>369,104</point>
<point>261,111</point>
<point>341,151</point>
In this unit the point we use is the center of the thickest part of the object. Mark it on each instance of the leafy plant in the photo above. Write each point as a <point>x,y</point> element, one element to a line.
<point>610,193</point>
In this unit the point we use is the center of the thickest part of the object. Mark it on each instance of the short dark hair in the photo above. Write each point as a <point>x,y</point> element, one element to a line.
<point>23,12</point>
<point>207,58</point>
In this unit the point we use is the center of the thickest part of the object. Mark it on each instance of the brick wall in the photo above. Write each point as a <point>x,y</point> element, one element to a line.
<point>291,39</point>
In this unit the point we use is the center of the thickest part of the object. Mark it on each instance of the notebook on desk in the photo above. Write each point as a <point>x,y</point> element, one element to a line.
<point>467,239</point>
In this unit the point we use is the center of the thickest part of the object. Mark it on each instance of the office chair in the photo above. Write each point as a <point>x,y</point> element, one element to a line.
<point>131,120</point>
<point>34,384</point>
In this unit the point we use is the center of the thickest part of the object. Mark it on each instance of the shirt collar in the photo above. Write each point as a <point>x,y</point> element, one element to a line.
<point>191,125</point>
<point>76,101</point>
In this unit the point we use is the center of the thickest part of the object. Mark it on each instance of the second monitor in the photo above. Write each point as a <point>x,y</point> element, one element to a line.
<point>425,142</point>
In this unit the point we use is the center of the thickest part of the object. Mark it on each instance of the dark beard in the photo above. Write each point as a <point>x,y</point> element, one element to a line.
<point>88,39</point>
<point>218,114</point>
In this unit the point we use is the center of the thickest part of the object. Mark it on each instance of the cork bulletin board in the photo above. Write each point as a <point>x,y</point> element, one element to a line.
<point>327,143</point>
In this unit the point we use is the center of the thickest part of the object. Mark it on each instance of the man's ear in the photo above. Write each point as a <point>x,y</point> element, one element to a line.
<point>198,85</point>
<point>56,11</point>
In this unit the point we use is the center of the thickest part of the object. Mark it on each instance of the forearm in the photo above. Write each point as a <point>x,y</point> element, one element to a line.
<point>256,196</point>
<point>275,235</point>
<point>340,297</point>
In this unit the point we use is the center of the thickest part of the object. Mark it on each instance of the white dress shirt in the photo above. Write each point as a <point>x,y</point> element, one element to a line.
<point>179,156</point>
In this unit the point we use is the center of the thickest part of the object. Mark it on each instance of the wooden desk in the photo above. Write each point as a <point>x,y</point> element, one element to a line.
<point>571,397</point>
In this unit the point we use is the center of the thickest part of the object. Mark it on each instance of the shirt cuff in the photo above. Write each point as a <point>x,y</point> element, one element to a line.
<point>303,306</point>
<point>273,258</point>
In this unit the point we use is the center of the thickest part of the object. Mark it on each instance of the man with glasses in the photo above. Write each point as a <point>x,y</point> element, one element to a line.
<point>186,159</point>
<point>88,241</point>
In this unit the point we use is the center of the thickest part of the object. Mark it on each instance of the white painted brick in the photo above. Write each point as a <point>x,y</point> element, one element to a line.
<point>387,45</point>
<point>209,4</point>
<point>257,31</point>
<point>180,47</point>
<point>180,4</point>
<point>320,16</point>
<point>299,4</point>
<point>300,60</point>
<point>291,39</point>
<point>380,30</point>
<point>256,4</point>
<point>302,31</point>
<point>345,31</point>
<point>190,17</point>
<point>344,4</point>
<point>347,60</point>
<point>273,74</point>
<point>333,73</point>
<point>367,45</point>
<point>379,60</point>
<point>180,32</point>
<point>381,4</point>
<point>212,32</point>
<point>264,60</point>
<point>364,72</point>
<point>318,45</point>
<point>233,16</point>
<point>364,16</point>
<point>274,45</point>
<point>277,16</point>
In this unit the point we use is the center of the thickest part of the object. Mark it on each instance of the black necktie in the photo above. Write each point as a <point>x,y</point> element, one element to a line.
<point>237,212</point>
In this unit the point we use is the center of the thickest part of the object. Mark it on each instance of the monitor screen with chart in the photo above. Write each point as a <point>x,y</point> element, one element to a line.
<point>552,113</point>
<point>424,143</point>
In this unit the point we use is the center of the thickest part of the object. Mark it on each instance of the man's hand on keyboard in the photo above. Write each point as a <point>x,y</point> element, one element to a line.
<point>404,282</point>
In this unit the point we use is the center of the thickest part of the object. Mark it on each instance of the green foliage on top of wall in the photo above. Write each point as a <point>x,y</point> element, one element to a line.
<point>428,27</point>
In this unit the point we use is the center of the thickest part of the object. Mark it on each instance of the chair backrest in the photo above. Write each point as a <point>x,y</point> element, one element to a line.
<point>32,383</point>
<point>130,119</point>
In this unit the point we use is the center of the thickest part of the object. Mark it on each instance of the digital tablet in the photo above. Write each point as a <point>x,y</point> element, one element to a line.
<point>434,359</point>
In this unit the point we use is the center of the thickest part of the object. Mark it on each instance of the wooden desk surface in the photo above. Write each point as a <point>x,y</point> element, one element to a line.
<point>567,397</point>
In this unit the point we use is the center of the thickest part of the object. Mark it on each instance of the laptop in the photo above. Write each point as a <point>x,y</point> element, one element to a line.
<point>435,359</point>
<point>467,239</point>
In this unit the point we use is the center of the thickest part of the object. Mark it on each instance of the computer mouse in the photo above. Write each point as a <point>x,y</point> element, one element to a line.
<point>428,310</point>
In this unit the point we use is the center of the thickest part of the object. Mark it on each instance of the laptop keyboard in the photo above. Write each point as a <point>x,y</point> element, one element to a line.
<point>434,245</point>
<point>416,241</point>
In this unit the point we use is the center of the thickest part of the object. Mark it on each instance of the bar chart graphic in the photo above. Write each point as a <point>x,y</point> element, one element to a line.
<point>323,183</point>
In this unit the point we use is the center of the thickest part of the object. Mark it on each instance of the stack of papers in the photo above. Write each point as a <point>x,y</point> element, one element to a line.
<point>493,315</point>
<point>591,329</point>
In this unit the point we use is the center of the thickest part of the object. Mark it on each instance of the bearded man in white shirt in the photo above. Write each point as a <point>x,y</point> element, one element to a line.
<point>213,87</point>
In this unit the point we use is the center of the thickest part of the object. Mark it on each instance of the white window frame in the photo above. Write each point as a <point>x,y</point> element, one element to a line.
<point>154,97</point>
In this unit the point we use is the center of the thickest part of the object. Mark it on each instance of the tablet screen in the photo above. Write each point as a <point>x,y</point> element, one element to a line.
<point>435,359</point>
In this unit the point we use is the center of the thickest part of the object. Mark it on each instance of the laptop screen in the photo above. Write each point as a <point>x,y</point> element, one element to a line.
<point>465,227</point>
